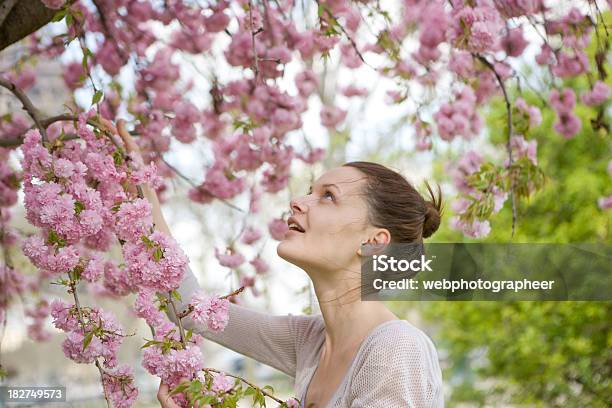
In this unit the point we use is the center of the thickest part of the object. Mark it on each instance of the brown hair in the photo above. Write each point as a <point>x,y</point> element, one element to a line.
<point>394,204</point>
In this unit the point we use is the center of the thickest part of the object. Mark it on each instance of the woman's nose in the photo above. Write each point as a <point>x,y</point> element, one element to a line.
<point>297,204</point>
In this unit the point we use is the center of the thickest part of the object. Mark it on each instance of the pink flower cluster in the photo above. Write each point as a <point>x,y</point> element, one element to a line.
<point>459,118</point>
<point>530,116</point>
<point>92,335</point>
<point>468,164</point>
<point>173,365</point>
<point>605,203</point>
<point>155,261</point>
<point>599,94</point>
<point>210,311</point>
<point>229,258</point>
<point>564,102</point>
<point>119,386</point>
<point>278,228</point>
<point>39,314</point>
<point>475,28</point>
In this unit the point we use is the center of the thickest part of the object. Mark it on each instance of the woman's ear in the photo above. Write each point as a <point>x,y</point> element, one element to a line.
<point>382,236</point>
<point>376,243</point>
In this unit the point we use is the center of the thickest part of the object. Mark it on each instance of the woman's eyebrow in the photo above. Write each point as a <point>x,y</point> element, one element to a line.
<point>332,185</point>
<point>328,185</point>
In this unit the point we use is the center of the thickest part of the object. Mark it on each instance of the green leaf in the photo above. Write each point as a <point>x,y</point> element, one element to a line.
<point>175,294</point>
<point>158,254</point>
<point>180,388</point>
<point>88,339</point>
<point>150,343</point>
<point>78,207</point>
<point>117,158</point>
<point>59,16</point>
<point>97,97</point>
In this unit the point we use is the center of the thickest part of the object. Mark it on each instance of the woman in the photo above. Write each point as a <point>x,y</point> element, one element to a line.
<point>356,353</point>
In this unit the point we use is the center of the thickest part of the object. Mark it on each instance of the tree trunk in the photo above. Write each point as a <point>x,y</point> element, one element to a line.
<point>25,17</point>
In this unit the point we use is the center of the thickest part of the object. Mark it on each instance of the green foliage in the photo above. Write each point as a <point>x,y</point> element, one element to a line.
<point>540,354</point>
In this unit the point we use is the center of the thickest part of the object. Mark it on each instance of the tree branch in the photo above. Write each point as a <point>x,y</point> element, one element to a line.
<point>5,8</point>
<point>22,19</point>
<point>509,119</point>
<point>27,104</point>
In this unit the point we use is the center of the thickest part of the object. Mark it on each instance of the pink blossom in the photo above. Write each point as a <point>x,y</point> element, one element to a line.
<point>523,148</point>
<point>352,90</point>
<point>145,308</point>
<point>211,311</point>
<point>73,74</point>
<point>292,403</point>
<point>64,315</point>
<point>222,383</point>
<point>605,203</point>
<point>117,280</point>
<point>260,265</point>
<point>598,95</point>
<point>250,235</point>
<point>331,116</point>
<point>120,386</point>
<point>564,100</point>
<point>570,65</point>
<point>24,79</point>
<point>133,219</point>
<point>532,112</point>
<point>147,174</point>
<point>155,262</point>
<point>94,269</point>
<point>306,82</point>
<point>230,258</point>
<point>278,228</point>
<point>567,124</point>
<point>476,229</point>
<point>312,156</point>
<point>53,4</point>
<point>173,365</point>
<point>514,43</point>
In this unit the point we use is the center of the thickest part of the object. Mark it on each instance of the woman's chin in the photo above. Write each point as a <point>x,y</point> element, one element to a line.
<point>289,252</point>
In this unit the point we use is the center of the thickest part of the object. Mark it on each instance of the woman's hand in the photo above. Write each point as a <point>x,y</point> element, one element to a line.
<point>132,148</point>
<point>164,398</point>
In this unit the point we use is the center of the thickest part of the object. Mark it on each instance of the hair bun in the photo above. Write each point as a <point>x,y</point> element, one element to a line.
<point>433,212</point>
<point>432,220</point>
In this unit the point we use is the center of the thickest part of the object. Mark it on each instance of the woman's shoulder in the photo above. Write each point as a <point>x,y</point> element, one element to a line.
<point>393,332</point>
<point>400,344</point>
<point>399,367</point>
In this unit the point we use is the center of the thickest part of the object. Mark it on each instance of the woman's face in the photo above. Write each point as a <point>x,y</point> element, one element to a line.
<point>333,217</point>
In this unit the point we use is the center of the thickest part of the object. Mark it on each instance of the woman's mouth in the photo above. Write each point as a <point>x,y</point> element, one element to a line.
<point>294,225</point>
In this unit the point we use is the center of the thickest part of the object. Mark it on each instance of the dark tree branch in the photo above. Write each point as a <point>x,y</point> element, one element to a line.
<point>27,104</point>
<point>24,18</point>
<point>508,142</point>
<point>5,8</point>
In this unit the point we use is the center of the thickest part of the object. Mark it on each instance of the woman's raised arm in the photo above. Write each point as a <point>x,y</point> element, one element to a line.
<point>272,340</point>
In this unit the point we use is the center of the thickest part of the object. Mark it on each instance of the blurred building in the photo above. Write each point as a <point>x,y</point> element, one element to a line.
<point>48,94</point>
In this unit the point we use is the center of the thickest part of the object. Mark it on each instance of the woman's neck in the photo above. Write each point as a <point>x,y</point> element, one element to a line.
<point>347,318</point>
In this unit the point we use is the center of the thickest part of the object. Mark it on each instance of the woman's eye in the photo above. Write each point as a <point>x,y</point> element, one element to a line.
<point>328,194</point>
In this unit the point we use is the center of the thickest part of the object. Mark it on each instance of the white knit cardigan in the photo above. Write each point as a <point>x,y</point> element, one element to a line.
<point>396,365</point>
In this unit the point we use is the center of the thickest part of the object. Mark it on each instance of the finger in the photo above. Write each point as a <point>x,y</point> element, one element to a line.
<point>164,398</point>
<point>130,144</point>
<point>107,125</point>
